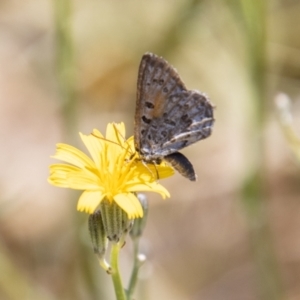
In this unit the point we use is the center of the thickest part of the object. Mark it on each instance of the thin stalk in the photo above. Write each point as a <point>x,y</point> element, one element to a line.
<point>116,277</point>
<point>135,269</point>
<point>65,67</point>
<point>254,19</point>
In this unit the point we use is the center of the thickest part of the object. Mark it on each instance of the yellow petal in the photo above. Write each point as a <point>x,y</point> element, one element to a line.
<point>89,201</point>
<point>114,145</point>
<point>97,134</point>
<point>155,171</point>
<point>130,142</point>
<point>130,204</point>
<point>116,132</point>
<point>81,181</point>
<point>165,171</point>
<point>130,149</point>
<point>73,156</point>
<point>94,146</point>
<point>58,174</point>
<point>150,187</point>
<point>73,177</point>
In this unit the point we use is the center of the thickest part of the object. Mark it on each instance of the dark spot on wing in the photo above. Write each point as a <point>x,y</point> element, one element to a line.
<point>145,120</point>
<point>189,122</point>
<point>149,105</point>
<point>161,82</point>
<point>165,90</point>
<point>169,122</point>
<point>152,62</point>
<point>160,65</point>
<point>201,106</point>
<point>209,113</point>
<point>164,133</point>
<point>185,117</point>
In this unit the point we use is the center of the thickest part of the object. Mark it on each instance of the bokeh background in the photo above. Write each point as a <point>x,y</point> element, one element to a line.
<point>70,66</point>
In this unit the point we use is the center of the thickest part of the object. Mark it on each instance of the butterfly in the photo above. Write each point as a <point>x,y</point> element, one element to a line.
<point>168,116</point>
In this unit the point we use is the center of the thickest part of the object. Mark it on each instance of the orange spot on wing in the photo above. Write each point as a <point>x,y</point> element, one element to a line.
<point>159,106</point>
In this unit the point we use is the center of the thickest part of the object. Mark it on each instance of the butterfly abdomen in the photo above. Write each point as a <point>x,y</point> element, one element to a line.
<point>180,163</point>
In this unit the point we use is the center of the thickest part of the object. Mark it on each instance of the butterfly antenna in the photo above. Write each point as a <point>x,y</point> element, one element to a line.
<point>124,139</point>
<point>105,139</point>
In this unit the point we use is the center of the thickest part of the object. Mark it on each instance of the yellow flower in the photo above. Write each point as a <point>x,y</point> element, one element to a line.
<point>114,173</point>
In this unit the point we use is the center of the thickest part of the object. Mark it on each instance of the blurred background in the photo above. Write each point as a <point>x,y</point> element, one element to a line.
<point>70,66</point>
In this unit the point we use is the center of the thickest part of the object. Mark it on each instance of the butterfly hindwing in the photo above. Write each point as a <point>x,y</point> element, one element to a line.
<point>189,120</point>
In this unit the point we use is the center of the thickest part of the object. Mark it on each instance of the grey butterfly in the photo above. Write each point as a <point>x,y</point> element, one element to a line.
<point>168,117</point>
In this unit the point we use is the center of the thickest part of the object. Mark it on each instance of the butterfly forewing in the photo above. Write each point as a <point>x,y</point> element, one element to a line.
<point>157,81</point>
<point>168,116</point>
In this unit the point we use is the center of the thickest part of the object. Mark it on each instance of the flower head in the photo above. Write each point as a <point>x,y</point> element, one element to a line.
<point>114,172</point>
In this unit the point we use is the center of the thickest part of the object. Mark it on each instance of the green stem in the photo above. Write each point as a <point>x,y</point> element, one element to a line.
<point>135,269</point>
<point>254,19</point>
<point>116,277</point>
<point>65,64</point>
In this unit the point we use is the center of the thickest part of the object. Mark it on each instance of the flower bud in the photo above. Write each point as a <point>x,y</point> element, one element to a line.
<point>99,239</point>
<point>140,223</point>
<point>115,221</point>
<point>97,233</point>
